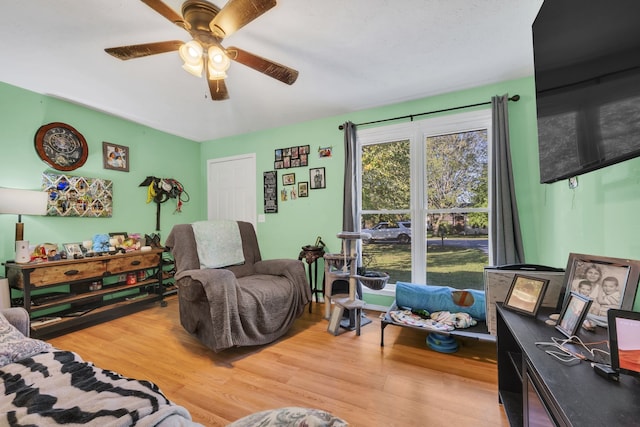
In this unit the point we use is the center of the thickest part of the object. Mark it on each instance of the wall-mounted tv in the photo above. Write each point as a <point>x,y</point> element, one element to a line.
<point>587,71</point>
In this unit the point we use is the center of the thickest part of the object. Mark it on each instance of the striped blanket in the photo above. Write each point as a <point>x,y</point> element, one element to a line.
<point>59,388</point>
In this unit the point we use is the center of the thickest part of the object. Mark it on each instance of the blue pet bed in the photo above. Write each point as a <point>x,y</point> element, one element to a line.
<point>441,298</point>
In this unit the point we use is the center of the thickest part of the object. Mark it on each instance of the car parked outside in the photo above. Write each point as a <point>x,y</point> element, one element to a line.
<point>389,231</point>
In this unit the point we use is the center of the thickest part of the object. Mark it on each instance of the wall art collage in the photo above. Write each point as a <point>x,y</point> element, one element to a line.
<point>78,196</point>
<point>292,157</point>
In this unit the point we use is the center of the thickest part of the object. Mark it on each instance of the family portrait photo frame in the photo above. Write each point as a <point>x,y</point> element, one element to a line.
<point>526,294</point>
<point>573,314</point>
<point>115,157</point>
<point>609,282</point>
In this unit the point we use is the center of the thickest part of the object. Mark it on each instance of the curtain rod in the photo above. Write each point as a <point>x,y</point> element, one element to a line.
<point>514,98</point>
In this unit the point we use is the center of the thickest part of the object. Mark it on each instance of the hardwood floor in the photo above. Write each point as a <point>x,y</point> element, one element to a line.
<point>403,383</point>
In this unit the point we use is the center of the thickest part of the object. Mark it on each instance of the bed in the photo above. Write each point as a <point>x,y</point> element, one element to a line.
<point>45,386</point>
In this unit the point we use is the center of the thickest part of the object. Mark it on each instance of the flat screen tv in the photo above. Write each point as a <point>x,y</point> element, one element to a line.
<point>587,73</point>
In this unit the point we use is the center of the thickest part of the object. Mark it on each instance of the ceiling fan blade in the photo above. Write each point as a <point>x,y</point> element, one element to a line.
<point>166,11</point>
<point>238,13</point>
<point>272,69</point>
<point>140,50</point>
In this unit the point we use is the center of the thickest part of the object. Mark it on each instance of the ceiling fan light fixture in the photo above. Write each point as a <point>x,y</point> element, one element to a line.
<point>218,60</point>
<point>216,74</point>
<point>208,25</point>
<point>191,54</point>
<point>196,70</point>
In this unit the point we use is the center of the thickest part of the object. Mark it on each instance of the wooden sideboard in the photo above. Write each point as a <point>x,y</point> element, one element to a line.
<point>66,295</point>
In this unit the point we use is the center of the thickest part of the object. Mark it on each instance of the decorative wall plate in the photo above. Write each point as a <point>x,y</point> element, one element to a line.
<point>61,146</point>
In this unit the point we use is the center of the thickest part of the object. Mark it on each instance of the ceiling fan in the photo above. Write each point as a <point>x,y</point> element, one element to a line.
<point>208,26</point>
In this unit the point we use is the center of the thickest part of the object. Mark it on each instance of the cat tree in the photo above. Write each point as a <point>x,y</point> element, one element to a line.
<point>344,267</point>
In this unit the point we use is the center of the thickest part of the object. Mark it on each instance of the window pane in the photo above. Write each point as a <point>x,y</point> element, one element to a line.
<point>449,193</point>
<point>389,248</point>
<point>457,249</point>
<point>386,177</point>
<point>456,167</point>
<point>457,180</point>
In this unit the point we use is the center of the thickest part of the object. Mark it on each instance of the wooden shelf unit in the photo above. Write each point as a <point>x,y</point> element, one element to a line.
<point>169,286</point>
<point>74,301</point>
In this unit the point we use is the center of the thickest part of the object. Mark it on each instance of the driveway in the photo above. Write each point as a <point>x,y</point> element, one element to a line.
<point>482,244</point>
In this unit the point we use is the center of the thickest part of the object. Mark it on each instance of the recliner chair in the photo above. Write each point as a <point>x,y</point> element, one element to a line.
<point>241,305</point>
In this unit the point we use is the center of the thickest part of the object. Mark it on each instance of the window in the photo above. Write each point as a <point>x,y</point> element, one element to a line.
<point>424,199</point>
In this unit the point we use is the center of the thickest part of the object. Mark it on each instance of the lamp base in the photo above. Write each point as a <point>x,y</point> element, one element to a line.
<point>22,251</point>
<point>19,229</point>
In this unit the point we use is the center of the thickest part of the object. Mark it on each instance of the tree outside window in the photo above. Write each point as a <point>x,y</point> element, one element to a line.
<point>451,201</point>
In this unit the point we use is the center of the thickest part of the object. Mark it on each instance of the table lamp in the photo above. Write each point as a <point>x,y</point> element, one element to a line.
<point>22,202</point>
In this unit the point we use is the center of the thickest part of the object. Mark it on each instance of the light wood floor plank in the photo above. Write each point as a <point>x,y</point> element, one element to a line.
<point>403,383</point>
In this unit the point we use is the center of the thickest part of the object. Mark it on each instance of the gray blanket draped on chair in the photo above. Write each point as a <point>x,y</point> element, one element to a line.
<point>250,304</point>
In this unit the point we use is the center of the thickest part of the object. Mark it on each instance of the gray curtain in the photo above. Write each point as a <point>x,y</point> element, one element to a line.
<point>350,222</point>
<point>349,208</point>
<point>505,224</point>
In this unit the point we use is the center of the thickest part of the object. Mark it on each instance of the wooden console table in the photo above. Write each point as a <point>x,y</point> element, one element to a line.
<point>536,389</point>
<point>66,295</point>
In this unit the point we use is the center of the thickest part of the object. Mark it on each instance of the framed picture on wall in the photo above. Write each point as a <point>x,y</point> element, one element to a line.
<point>303,189</point>
<point>288,179</point>
<point>115,157</point>
<point>317,178</point>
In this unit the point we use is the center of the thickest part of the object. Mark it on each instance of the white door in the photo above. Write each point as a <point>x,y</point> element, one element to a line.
<point>231,188</point>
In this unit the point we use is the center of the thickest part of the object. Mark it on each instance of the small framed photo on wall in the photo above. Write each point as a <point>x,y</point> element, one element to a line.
<point>303,189</point>
<point>317,178</point>
<point>115,157</point>
<point>288,179</point>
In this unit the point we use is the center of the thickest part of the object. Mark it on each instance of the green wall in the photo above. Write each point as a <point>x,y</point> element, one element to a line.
<point>151,153</point>
<point>596,218</point>
<point>299,222</point>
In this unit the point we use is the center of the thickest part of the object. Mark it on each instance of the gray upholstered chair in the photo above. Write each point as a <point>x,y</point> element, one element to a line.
<point>254,303</point>
<point>19,318</point>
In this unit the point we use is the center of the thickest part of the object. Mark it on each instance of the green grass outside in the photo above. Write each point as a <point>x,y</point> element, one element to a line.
<point>460,268</point>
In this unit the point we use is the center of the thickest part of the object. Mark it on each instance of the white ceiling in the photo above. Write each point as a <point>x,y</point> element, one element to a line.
<point>351,55</point>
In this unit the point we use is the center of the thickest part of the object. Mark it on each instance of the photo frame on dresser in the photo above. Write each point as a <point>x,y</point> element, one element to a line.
<point>526,294</point>
<point>72,249</point>
<point>573,314</point>
<point>609,282</point>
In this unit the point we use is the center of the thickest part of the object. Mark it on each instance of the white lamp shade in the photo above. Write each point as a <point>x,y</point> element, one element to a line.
<point>23,202</point>
<point>191,53</point>
<point>218,63</point>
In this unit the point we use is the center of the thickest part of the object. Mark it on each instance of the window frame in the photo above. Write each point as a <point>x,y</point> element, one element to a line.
<point>416,132</point>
